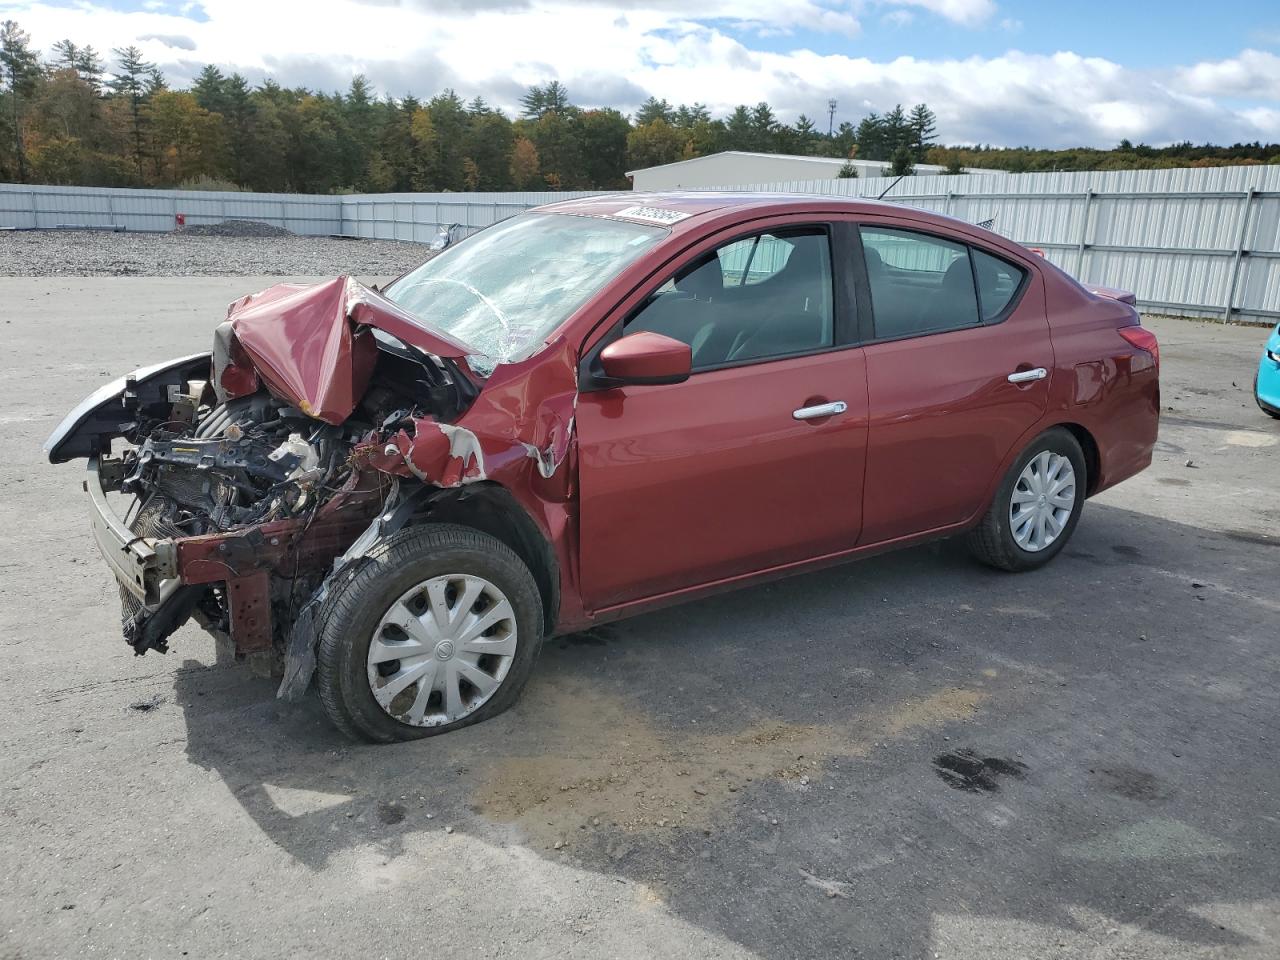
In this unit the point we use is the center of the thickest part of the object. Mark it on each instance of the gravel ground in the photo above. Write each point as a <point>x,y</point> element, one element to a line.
<point>91,253</point>
<point>910,757</point>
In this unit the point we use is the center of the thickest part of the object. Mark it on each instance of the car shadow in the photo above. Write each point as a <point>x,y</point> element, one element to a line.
<point>870,760</point>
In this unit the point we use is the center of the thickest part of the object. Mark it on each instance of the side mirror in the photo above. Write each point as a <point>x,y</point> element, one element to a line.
<point>444,237</point>
<point>647,358</point>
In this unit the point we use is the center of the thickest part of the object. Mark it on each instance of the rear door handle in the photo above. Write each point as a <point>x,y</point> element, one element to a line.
<point>821,410</point>
<point>1026,376</point>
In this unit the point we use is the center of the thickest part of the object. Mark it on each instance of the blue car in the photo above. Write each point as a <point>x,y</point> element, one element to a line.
<point>1266,382</point>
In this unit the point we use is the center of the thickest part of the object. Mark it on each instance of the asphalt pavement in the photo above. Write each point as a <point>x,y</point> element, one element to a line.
<point>910,756</point>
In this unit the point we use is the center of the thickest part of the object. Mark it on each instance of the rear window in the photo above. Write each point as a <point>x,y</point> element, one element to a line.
<point>920,284</point>
<point>998,282</point>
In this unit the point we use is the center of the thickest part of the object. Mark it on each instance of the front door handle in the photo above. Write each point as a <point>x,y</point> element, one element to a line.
<point>1026,376</point>
<point>820,411</point>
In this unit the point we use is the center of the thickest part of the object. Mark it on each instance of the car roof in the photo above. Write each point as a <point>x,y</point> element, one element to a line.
<point>681,210</point>
<point>694,211</point>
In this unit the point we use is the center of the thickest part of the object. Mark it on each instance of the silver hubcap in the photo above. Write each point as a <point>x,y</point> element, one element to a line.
<point>442,650</point>
<point>1042,501</point>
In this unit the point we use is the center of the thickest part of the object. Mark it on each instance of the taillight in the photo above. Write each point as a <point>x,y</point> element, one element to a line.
<point>1143,339</point>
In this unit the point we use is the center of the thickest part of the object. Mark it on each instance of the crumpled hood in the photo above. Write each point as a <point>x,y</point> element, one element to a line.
<point>310,344</point>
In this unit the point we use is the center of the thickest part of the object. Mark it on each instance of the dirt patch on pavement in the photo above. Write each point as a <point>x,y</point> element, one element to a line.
<point>607,765</point>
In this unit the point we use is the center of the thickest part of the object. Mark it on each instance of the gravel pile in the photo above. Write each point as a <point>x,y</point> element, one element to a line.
<point>234,228</point>
<point>90,253</point>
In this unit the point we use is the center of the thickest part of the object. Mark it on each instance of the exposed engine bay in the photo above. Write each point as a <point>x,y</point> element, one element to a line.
<point>239,487</point>
<point>211,467</point>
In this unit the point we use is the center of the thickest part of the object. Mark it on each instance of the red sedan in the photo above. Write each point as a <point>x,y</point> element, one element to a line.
<point>593,409</point>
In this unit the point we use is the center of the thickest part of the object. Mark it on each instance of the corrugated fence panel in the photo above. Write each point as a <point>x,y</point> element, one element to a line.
<point>418,216</point>
<point>43,207</point>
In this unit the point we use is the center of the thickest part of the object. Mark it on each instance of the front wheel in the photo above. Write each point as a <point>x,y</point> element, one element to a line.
<point>1036,509</point>
<point>437,630</point>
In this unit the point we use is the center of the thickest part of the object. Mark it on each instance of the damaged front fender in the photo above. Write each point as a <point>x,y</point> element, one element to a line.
<point>519,432</point>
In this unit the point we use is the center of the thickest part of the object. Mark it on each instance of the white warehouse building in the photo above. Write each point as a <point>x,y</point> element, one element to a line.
<point>736,168</point>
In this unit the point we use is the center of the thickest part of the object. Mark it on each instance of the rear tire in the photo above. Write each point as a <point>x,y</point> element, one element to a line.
<point>1011,535</point>
<point>419,600</point>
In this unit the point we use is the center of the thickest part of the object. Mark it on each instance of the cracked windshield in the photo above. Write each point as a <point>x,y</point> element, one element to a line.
<point>505,289</point>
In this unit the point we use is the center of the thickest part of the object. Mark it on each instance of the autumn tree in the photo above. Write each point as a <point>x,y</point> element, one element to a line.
<point>187,139</point>
<point>525,170</point>
<point>488,143</point>
<point>654,144</point>
<point>604,137</point>
<point>422,163</point>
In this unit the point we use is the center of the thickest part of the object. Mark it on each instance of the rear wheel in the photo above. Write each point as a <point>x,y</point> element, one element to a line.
<point>438,629</point>
<point>1036,509</point>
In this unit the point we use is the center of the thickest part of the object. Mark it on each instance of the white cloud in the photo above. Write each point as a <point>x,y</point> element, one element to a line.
<point>968,12</point>
<point>616,52</point>
<point>1254,74</point>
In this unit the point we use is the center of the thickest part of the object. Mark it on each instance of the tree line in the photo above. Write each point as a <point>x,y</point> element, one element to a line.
<point>75,119</point>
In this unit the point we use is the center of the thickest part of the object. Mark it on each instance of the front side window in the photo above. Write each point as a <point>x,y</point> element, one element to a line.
<point>505,289</point>
<point>767,295</point>
<point>919,283</point>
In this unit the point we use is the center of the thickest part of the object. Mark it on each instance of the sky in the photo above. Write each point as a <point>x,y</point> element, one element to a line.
<point>1084,73</point>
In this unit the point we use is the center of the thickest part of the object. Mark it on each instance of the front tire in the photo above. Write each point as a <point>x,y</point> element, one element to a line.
<point>438,629</point>
<point>1036,509</point>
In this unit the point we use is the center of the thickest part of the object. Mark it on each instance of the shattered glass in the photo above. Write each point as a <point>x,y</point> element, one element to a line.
<point>505,289</point>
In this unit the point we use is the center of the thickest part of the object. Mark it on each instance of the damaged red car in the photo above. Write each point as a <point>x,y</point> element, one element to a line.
<point>590,410</point>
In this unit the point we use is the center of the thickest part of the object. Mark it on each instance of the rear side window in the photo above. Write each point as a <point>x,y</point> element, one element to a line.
<point>919,283</point>
<point>998,282</point>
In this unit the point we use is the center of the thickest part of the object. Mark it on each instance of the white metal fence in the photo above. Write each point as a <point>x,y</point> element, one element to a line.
<point>27,207</point>
<point>386,216</point>
<point>1196,242</point>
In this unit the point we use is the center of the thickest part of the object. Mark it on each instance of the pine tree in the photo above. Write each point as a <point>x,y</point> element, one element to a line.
<point>132,82</point>
<point>90,68</point>
<point>897,131</point>
<point>66,55</point>
<point>539,101</point>
<point>210,89</point>
<point>924,125</point>
<point>688,117</point>
<point>871,139</point>
<point>764,127</point>
<point>901,163</point>
<point>654,109</point>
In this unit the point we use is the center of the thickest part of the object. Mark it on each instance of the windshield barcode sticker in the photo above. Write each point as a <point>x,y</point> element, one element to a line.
<point>653,215</point>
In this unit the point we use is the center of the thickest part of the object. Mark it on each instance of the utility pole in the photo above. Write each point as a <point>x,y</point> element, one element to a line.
<point>831,116</point>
